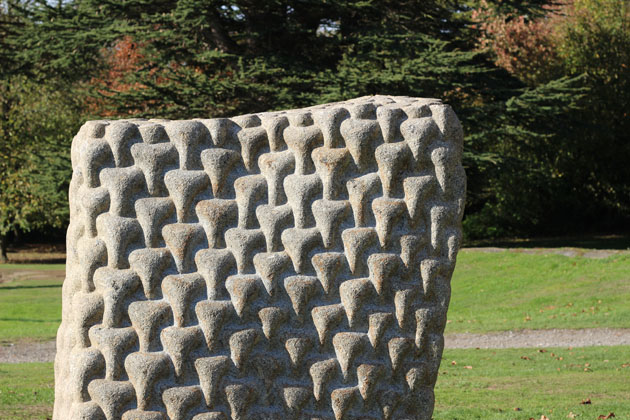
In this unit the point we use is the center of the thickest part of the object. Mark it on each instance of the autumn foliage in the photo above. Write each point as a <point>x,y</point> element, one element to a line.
<point>542,86</point>
<point>524,47</point>
<point>119,62</point>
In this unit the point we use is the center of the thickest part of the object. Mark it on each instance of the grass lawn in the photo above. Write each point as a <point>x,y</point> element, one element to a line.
<point>29,310</point>
<point>527,383</point>
<point>32,267</point>
<point>491,292</point>
<point>26,391</point>
<point>483,384</point>
<point>510,291</point>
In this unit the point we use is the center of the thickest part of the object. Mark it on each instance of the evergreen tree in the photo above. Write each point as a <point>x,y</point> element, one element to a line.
<point>208,58</point>
<point>564,167</point>
<point>36,127</point>
<point>37,123</point>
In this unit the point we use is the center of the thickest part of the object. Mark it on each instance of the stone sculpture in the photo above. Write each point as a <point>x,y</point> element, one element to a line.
<point>282,265</point>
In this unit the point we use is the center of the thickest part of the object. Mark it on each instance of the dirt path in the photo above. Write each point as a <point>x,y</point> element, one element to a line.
<point>540,338</point>
<point>12,274</point>
<point>23,352</point>
<point>27,351</point>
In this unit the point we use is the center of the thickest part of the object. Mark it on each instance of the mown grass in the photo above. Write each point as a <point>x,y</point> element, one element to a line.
<point>29,310</point>
<point>527,383</point>
<point>60,267</point>
<point>491,292</point>
<point>26,391</point>
<point>510,291</point>
<point>482,384</point>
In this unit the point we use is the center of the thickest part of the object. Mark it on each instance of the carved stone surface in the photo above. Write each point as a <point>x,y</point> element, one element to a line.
<point>283,265</point>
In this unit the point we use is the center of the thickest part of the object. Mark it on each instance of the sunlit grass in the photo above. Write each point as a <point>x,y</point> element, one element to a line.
<point>29,309</point>
<point>480,384</point>
<point>490,292</point>
<point>510,291</point>
<point>60,267</point>
<point>529,383</point>
<point>26,391</point>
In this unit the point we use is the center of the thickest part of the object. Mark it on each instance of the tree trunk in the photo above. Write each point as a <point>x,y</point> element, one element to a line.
<point>4,243</point>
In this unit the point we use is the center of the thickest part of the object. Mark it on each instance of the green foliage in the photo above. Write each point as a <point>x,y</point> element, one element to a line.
<point>563,142</point>
<point>533,183</point>
<point>595,41</point>
<point>206,58</point>
<point>36,127</point>
<point>535,152</point>
<point>402,64</point>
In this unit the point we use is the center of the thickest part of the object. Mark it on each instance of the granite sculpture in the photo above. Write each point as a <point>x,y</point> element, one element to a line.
<point>282,265</point>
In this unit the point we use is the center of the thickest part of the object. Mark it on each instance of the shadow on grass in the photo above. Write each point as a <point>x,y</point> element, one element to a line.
<point>29,320</point>
<point>619,242</point>
<point>45,286</point>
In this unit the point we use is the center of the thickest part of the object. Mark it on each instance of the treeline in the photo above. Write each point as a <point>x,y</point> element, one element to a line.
<point>542,89</point>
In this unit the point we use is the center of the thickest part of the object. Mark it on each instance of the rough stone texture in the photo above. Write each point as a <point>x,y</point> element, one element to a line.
<point>280,265</point>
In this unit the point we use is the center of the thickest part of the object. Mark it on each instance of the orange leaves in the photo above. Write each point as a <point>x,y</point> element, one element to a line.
<point>123,58</point>
<point>454,363</point>
<point>587,401</point>
<point>524,47</point>
<point>120,61</point>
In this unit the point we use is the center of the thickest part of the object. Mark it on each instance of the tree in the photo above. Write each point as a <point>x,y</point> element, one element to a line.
<point>578,165</point>
<point>595,41</point>
<point>36,127</point>
<point>523,46</point>
<point>523,112</point>
<point>205,58</point>
<point>210,58</point>
<point>37,121</point>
